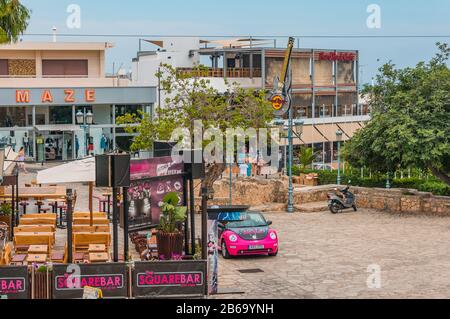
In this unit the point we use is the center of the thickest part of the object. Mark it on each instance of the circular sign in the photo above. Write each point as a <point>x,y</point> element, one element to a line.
<point>277,102</point>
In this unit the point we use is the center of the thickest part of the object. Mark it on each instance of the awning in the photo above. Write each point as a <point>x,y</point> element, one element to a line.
<point>58,128</point>
<point>349,129</point>
<point>310,135</point>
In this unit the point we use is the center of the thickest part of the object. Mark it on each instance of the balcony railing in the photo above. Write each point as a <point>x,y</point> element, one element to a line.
<point>219,72</point>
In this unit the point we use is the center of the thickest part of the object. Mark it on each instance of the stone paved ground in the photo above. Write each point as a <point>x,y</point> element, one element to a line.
<point>327,256</point>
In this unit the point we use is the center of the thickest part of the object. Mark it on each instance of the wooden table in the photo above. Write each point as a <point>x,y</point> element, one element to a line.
<point>34,238</point>
<point>37,258</point>
<point>97,248</point>
<point>38,249</point>
<point>37,193</point>
<point>98,257</point>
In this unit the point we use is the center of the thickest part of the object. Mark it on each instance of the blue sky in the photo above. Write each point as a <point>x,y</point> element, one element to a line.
<point>256,17</point>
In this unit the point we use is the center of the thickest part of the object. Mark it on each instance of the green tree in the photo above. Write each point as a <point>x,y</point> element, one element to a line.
<point>306,157</point>
<point>410,125</point>
<point>190,97</point>
<point>14,19</point>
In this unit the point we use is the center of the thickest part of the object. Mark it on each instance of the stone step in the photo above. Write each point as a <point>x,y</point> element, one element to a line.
<point>313,207</point>
<point>270,208</point>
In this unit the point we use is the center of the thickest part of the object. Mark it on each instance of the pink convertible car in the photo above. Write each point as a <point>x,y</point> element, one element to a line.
<point>246,233</point>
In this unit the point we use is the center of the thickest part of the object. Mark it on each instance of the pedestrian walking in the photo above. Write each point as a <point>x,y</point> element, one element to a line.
<point>22,160</point>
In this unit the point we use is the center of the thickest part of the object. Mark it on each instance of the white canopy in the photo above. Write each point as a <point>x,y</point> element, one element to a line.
<point>10,157</point>
<point>81,171</point>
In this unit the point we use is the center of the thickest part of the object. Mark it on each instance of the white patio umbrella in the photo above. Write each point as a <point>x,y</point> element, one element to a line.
<point>10,157</point>
<point>81,171</point>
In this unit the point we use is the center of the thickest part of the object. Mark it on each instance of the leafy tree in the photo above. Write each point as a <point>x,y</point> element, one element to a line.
<point>190,97</point>
<point>13,20</point>
<point>410,125</point>
<point>306,157</point>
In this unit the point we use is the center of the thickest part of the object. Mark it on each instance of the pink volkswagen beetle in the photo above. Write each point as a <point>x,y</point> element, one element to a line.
<point>246,233</point>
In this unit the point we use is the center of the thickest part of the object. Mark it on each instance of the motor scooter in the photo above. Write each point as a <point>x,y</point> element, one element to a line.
<point>337,203</point>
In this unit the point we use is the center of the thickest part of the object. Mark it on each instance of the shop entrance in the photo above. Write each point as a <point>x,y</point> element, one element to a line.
<point>55,145</point>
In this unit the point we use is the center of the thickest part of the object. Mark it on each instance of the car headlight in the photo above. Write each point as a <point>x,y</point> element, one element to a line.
<point>233,238</point>
<point>273,236</point>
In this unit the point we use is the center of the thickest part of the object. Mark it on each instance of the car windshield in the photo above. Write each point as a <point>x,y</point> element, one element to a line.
<point>247,220</point>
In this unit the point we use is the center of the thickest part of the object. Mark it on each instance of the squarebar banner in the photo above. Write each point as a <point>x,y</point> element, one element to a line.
<point>70,280</point>
<point>14,282</point>
<point>169,278</point>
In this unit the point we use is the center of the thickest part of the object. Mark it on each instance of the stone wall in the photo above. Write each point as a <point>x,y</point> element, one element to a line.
<point>257,192</point>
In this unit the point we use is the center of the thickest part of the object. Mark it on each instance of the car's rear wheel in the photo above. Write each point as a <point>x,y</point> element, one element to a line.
<point>225,253</point>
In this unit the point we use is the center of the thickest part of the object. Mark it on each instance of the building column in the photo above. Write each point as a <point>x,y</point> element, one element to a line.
<point>33,120</point>
<point>313,85</point>
<point>114,126</point>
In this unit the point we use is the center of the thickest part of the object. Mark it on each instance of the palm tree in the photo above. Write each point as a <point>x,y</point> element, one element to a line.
<point>13,20</point>
<point>306,157</point>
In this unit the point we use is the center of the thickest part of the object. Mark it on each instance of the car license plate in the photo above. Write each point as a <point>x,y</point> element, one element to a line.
<point>255,247</point>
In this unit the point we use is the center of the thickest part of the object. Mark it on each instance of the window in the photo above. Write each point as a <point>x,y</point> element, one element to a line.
<point>13,116</point>
<point>65,68</point>
<point>4,68</point>
<point>60,114</point>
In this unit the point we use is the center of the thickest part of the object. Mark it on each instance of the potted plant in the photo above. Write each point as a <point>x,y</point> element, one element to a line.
<point>170,236</point>
<point>5,213</point>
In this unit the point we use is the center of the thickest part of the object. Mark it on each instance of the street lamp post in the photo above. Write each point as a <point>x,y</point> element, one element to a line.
<point>85,120</point>
<point>2,160</point>
<point>298,124</point>
<point>339,134</point>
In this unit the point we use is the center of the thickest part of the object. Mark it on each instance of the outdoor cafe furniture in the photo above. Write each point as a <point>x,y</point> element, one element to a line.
<point>87,221</point>
<point>98,257</point>
<point>81,241</point>
<point>41,209</point>
<point>97,248</point>
<point>91,229</point>
<point>38,249</point>
<point>37,258</point>
<point>24,205</point>
<point>28,239</point>
<point>88,215</point>
<point>57,257</point>
<point>19,260</point>
<point>34,228</point>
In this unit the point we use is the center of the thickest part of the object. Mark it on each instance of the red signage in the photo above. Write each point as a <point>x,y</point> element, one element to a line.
<point>337,56</point>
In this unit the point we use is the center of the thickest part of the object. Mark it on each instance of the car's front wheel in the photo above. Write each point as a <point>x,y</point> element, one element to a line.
<point>225,253</point>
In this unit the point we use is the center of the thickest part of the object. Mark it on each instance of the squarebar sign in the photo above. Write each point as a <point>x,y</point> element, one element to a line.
<point>14,282</point>
<point>111,278</point>
<point>181,278</point>
<point>337,56</point>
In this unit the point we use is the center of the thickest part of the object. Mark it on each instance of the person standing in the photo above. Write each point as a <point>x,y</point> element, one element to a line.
<point>22,160</point>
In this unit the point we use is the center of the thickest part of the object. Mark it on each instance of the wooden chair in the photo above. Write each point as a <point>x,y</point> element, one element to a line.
<point>91,229</point>
<point>81,241</point>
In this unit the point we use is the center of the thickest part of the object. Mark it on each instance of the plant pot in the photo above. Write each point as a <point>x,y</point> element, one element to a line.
<point>169,244</point>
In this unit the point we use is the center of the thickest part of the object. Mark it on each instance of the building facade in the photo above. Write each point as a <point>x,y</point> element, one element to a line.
<point>45,87</point>
<point>325,83</point>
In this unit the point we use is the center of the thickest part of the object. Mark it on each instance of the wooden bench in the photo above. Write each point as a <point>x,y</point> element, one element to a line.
<point>88,215</point>
<point>87,221</point>
<point>91,229</point>
<point>26,227</point>
<point>46,215</point>
<point>81,241</point>
<point>34,229</point>
<point>23,239</point>
<point>37,221</point>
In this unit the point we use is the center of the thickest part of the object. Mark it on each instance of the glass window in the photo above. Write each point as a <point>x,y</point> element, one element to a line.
<point>345,72</point>
<point>324,105</point>
<point>60,114</point>
<point>302,105</point>
<point>127,109</point>
<point>13,116</point>
<point>346,101</point>
<point>323,73</point>
<point>65,68</point>
<point>4,68</point>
